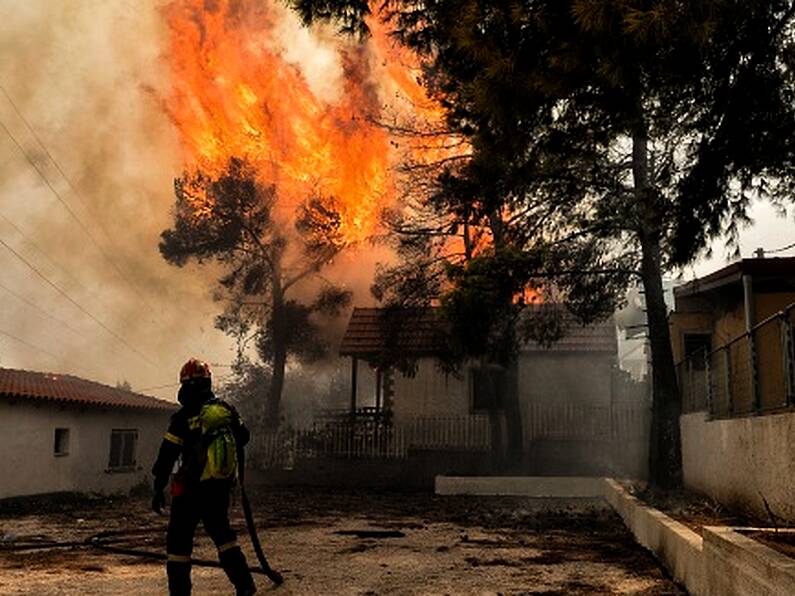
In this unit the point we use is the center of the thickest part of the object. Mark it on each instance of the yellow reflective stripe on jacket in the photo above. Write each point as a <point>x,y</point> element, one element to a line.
<point>173,439</point>
<point>227,546</point>
<point>178,558</point>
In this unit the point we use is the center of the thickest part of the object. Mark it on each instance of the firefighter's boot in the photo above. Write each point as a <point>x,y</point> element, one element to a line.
<point>178,578</point>
<point>234,563</point>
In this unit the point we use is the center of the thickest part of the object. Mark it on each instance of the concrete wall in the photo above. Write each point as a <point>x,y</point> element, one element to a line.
<point>676,546</point>
<point>720,562</point>
<point>29,466</point>
<point>735,460</point>
<point>538,487</point>
<point>416,472</point>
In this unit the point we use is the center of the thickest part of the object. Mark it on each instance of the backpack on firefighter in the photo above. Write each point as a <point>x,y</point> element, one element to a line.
<point>214,455</point>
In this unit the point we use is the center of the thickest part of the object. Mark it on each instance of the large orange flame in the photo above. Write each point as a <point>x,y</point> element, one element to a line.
<point>235,95</point>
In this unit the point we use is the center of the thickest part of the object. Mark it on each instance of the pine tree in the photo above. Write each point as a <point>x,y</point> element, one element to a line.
<point>651,123</point>
<point>229,219</point>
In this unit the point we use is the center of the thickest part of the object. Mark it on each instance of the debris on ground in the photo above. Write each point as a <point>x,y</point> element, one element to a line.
<point>353,543</point>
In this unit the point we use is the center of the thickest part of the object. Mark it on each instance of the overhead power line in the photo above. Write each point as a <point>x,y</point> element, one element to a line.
<point>777,250</point>
<point>40,250</point>
<point>28,344</point>
<point>58,195</point>
<point>79,306</point>
<point>40,310</point>
<point>169,385</point>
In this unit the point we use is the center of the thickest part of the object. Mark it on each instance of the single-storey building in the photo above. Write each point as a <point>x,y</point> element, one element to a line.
<point>61,433</point>
<point>578,412</point>
<point>732,335</point>
<point>713,343</point>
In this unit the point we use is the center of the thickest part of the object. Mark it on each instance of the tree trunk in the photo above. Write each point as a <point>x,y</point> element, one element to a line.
<point>508,390</point>
<point>665,455</point>
<point>273,405</point>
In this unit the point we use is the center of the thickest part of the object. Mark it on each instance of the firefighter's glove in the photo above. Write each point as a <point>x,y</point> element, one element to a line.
<point>158,501</point>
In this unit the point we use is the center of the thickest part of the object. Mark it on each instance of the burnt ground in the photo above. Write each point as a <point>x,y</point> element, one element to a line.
<point>346,543</point>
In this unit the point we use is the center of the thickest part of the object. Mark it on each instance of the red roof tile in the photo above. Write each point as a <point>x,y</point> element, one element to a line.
<point>407,332</point>
<point>25,384</point>
<point>420,332</point>
<point>598,337</point>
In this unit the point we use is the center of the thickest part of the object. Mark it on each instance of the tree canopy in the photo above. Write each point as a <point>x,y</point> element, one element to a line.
<point>230,219</point>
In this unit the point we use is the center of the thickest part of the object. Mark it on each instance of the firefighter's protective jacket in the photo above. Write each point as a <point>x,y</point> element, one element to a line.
<point>184,439</point>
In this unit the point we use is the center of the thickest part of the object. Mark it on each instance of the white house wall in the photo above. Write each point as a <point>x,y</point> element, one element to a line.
<point>430,393</point>
<point>29,466</point>
<point>568,377</point>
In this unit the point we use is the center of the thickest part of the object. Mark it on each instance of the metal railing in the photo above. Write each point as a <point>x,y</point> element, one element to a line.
<point>370,439</point>
<point>751,374</point>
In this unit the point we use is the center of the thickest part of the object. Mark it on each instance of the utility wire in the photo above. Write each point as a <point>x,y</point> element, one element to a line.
<point>40,250</point>
<point>40,310</point>
<point>58,195</point>
<point>82,309</point>
<point>28,344</point>
<point>221,378</point>
<point>782,249</point>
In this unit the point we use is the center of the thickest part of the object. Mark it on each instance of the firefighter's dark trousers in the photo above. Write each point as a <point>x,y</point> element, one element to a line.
<point>208,502</point>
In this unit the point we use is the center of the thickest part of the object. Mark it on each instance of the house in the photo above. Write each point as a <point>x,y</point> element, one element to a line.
<point>577,410</point>
<point>713,310</point>
<point>61,433</point>
<point>726,354</point>
<point>732,336</point>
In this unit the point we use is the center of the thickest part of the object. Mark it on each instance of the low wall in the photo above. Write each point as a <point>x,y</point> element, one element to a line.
<point>736,461</point>
<point>678,547</point>
<point>736,564</point>
<point>524,486</point>
<point>723,562</point>
<point>415,472</point>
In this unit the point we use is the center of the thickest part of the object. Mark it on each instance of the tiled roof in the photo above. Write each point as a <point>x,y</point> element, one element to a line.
<point>598,337</point>
<point>407,332</point>
<point>25,384</point>
<point>420,332</point>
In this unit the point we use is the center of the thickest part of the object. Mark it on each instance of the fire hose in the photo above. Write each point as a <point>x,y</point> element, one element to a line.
<point>105,540</point>
<point>271,574</point>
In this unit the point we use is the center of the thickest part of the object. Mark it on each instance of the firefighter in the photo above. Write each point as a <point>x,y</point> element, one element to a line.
<point>205,433</point>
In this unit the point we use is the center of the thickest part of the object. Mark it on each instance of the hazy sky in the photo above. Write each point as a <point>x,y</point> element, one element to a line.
<point>88,75</point>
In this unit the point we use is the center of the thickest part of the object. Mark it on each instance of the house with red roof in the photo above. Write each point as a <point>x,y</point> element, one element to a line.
<point>579,413</point>
<point>61,433</point>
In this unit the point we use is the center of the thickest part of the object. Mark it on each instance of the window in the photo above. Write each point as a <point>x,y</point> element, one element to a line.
<point>486,387</point>
<point>697,346</point>
<point>61,443</point>
<point>122,449</point>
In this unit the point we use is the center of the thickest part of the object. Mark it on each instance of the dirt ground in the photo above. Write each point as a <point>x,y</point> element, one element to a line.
<point>423,544</point>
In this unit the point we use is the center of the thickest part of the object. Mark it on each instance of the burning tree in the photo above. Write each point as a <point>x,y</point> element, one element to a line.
<point>230,219</point>
<point>655,122</point>
<point>494,258</point>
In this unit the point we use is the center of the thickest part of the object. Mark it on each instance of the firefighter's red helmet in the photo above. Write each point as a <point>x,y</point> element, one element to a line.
<point>194,369</point>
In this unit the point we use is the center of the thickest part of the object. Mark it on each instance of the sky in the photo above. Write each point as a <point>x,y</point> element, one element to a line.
<point>87,162</point>
<point>84,78</point>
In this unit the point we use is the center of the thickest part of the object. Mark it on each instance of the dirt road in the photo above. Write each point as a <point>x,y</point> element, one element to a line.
<point>411,544</point>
